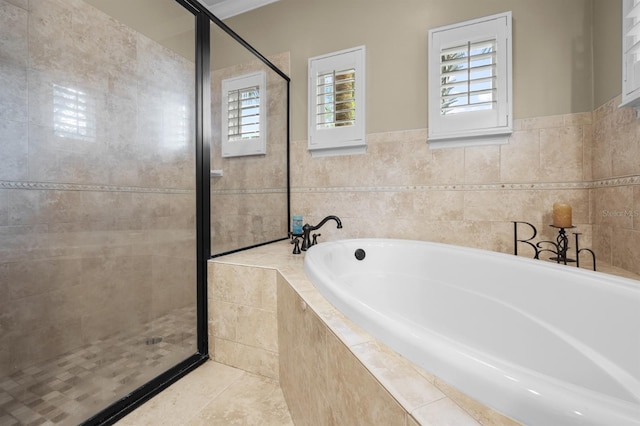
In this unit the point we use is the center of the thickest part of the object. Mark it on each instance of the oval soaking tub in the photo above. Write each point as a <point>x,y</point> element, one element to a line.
<point>545,344</point>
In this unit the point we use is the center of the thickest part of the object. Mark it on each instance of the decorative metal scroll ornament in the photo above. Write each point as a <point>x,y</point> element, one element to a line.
<point>558,248</point>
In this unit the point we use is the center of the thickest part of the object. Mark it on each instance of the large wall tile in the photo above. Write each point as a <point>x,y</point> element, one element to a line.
<point>257,327</point>
<point>502,205</point>
<point>303,358</point>
<point>248,358</point>
<point>482,164</point>
<point>625,250</point>
<point>447,166</point>
<point>635,212</point>
<point>520,158</point>
<point>242,313</point>
<point>15,150</point>
<point>561,154</point>
<point>371,404</point>
<point>13,80</point>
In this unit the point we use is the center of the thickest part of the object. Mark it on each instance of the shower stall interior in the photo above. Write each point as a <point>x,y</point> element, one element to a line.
<point>111,118</point>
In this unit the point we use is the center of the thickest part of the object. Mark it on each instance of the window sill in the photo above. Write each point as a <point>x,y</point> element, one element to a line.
<point>465,141</point>
<point>345,150</point>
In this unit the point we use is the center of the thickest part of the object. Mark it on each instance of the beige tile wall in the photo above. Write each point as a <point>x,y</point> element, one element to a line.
<point>242,317</point>
<point>616,191</point>
<point>96,234</point>
<point>319,374</point>
<point>470,196</point>
<point>466,196</point>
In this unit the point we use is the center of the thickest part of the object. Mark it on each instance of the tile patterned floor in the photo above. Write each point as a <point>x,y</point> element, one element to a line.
<point>215,394</point>
<point>76,385</point>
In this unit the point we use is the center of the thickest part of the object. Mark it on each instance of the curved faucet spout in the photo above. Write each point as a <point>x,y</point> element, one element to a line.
<point>306,231</point>
<point>325,220</point>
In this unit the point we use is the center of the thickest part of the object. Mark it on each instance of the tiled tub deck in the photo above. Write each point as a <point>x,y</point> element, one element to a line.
<point>330,370</point>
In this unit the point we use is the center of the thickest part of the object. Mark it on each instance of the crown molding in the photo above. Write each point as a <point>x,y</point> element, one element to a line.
<point>228,8</point>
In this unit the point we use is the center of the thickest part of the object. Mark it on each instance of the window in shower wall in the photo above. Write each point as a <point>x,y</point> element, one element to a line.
<point>244,106</point>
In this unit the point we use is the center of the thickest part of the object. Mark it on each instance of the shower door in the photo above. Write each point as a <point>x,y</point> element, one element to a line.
<point>98,203</point>
<point>249,184</point>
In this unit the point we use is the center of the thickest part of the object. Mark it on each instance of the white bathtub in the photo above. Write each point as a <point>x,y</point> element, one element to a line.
<point>545,344</point>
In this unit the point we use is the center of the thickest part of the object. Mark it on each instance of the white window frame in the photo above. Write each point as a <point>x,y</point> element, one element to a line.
<point>469,128</point>
<point>631,55</point>
<point>254,146</point>
<point>342,140</point>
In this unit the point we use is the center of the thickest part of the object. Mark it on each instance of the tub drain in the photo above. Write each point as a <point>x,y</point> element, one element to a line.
<point>360,254</point>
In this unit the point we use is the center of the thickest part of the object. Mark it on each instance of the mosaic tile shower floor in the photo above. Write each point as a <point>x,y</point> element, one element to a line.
<point>68,389</point>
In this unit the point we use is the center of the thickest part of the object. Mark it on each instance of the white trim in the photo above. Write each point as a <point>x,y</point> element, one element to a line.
<point>474,140</point>
<point>338,140</point>
<point>475,127</point>
<point>630,79</point>
<point>257,146</point>
<point>229,8</point>
<point>347,150</point>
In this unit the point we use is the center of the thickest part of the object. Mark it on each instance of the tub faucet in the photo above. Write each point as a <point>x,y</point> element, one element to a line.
<point>306,231</point>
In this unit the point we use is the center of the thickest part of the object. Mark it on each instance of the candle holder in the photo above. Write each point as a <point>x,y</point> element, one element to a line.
<point>559,248</point>
<point>561,245</point>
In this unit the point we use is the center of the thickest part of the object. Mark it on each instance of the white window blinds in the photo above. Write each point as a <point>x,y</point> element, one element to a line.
<point>336,100</point>
<point>470,94</point>
<point>468,77</point>
<point>631,53</point>
<point>244,115</point>
<point>337,103</point>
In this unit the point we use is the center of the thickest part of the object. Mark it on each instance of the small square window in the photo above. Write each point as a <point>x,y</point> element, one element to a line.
<point>337,103</point>
<point>244,101</point>
<point>470,95</point>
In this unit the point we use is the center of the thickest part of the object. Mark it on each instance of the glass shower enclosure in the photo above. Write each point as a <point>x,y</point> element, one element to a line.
<point>105,134</point>
<point>98,209</point>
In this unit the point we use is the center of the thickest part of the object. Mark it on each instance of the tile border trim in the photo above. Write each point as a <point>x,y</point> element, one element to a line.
<point>603,183</point>
<point>624,181</point>
<point>249,191</point>
<point>52,186</point>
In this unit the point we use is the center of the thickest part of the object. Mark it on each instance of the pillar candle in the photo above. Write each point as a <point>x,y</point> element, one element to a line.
<point>561,215</point>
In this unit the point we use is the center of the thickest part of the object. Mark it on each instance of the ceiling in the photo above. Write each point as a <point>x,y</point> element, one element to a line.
<point>224,9</point>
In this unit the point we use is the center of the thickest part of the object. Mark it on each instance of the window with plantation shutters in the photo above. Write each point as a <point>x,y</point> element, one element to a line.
<point>631,53</point>
<point>336,99</point>
<point>468,77</point>
<point>244,115</point>
<point>470,83</point>
<point>337,103</point>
